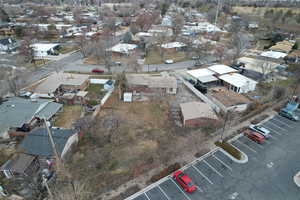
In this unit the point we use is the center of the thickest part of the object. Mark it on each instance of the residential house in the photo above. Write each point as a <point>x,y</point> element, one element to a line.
<point>58,83</point>
<point>283,46</point>
<point>221,69</point>
<point>41,50</point>
<point>204,76</point>
<point>8,44</point>
<point>197,114</point>
<point>173,46</point>
<point>19,114</point>
<point>238,83</point>
<point>23,165</point>
<point>273,54</point>
<point>37,142</point>
<point>122,49</point>
<point>147,84</point>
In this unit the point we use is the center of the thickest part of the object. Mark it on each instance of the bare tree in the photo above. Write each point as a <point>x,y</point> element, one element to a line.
<point>161,39</point>
<point>178,23</point>
<point>26,51</point>
<point>265,68</point>
<point>133,64</point>
<point>84,45</point>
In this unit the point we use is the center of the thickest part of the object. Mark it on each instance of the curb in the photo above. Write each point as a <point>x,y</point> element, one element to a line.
<point>297,179</point>
<point>242,161</point>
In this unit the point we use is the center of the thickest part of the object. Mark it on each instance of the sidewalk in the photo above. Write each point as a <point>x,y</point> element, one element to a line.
<point>187,158</point>
<point>297,179</point>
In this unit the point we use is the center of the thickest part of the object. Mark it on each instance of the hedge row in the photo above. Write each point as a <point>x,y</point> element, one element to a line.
<point>165,172</point>
<point>230,149</point>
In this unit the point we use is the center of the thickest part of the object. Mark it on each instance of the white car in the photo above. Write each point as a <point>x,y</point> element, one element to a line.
<point>265,132</point>
<point>169,61</point>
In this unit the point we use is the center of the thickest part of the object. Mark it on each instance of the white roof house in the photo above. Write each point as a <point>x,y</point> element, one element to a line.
<point>123,48</point>
<point>41,49</point>
<point>273,54</point>
<point>203,75</point>
<point>221,69</point>
<point>173,45</point>
<point>238,83</point>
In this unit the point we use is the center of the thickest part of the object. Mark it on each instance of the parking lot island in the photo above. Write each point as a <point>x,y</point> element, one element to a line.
<point>297,179</point>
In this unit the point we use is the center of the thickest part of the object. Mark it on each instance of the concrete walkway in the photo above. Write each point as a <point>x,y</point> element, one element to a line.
<point>297,179</point>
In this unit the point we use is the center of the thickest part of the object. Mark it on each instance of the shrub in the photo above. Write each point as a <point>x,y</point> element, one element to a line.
<point>165,172</point>
<point>230,149</point>
<point>259,119</point>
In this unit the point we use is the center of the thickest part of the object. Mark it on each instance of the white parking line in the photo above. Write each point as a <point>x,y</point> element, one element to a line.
<point>272,130</point>
<point>198,188</point>
<point>181,190</point>
<point>147,196</point>
<point>277,126</point>
<point>247,146</point>
<point>163,192</point>
<point>212,168</point>
<point>282,123</point>
<point>213,155</point>
<point>259,146</point>
<point>273,137</point>
<point>202,174</point>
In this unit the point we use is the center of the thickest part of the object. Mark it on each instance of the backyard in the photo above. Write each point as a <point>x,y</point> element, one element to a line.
<point>70,114</point>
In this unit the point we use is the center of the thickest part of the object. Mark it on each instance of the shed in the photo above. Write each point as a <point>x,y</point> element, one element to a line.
<point>197,114</point>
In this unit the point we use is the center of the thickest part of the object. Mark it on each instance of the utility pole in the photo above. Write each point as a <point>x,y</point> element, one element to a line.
<point>217,13</point>
<point>47,187</point>
<point>58,160</point>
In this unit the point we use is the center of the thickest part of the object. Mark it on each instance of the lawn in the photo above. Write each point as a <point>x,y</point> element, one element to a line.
<point>70,114</point>
<point>95,93</point>
<point>155,58</point>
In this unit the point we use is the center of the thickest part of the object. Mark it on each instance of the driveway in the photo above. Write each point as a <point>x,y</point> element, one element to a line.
<point>267,175</point>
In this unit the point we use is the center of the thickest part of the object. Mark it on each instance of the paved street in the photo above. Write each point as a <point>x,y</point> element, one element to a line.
<point>267,175</point>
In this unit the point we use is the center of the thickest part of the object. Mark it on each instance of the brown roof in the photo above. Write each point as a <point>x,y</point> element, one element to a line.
<point>283,46</point>
<point>228,98</point>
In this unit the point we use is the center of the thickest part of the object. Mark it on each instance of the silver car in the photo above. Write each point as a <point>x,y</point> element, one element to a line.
<point>265,132</point>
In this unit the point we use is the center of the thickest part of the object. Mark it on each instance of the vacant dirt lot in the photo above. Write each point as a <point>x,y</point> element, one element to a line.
<point>129,139</point>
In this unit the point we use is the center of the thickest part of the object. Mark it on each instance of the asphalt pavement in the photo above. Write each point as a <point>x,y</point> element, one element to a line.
<point>268,174</point>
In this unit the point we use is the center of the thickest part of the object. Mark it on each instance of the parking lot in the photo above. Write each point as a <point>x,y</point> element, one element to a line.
<point>268,174</point>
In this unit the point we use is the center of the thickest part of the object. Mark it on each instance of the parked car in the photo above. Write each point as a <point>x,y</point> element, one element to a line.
<point>265,132</point>
<point>184,181</point>
<point>98,71</point>
<point>255,136</point>
<point>169,61</point>
<point>288,114</point>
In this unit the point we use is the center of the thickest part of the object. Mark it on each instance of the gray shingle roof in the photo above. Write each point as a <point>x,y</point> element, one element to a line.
<point>37,142</point>
<point>16,111</point>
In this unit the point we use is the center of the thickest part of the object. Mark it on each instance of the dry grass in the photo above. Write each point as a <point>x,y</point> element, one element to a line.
<point>260,10</point>
<point>91,60</point>
<point>70,114</point>
<point>155,58</point>
<point>129,139</point>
